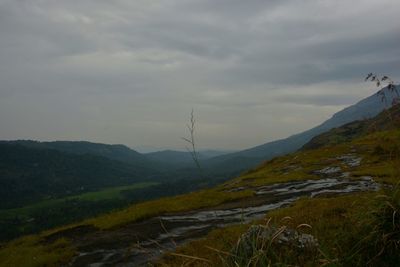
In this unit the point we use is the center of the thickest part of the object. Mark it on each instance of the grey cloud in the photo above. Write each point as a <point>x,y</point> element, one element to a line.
<point>128,71</point>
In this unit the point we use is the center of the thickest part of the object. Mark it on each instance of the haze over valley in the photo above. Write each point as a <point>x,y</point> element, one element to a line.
<point>199,133</point>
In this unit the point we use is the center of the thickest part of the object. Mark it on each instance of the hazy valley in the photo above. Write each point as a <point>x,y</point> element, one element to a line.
<point>199,133</point>
<point>71,181</point>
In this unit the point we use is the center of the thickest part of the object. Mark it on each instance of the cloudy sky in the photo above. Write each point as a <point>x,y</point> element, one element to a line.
<point>130,71</point>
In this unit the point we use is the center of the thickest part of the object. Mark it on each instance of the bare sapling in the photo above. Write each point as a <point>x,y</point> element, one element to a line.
<point>191,144</point>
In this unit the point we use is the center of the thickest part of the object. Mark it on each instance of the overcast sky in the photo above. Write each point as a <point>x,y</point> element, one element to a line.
<point>130,71</point>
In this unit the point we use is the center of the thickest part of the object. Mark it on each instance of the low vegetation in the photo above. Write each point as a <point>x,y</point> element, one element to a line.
<point>30,251</point>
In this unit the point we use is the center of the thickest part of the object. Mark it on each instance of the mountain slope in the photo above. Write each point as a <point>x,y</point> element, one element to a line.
<point>386,120</point>
<point>366,108</point>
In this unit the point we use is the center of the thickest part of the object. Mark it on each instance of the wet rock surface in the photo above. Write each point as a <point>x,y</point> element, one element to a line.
<point>141,242</point>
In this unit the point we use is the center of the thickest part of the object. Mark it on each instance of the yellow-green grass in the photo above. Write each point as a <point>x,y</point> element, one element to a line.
<point>30,252</point>
<point>294,167</point>
<point>334,222</point>
<point>195,200</point>
<point>381,156</point>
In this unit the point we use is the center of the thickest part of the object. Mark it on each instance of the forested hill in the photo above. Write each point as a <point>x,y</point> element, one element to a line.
<point>114,152</point>
<point>30,174</point>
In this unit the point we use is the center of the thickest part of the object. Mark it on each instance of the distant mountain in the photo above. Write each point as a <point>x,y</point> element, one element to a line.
<point>182,158</point>
<point>160,160</point>
<point>214,153</point>
<point>242,160</point>
<point>170,156</point>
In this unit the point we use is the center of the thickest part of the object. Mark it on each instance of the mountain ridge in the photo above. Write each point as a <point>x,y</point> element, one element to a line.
<point>363,109</point>
<point>112,151</point>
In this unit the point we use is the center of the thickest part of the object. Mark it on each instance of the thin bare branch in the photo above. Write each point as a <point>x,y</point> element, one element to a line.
<point>191,141</point>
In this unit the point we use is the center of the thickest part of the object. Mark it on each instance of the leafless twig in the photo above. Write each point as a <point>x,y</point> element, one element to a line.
<point>191,141</point>
<point>379,81</point>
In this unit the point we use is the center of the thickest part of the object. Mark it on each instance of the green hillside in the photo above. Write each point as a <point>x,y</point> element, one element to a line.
<point>42,188</point>
<point>342,193</point>
<point>28,174</point>
<point>47,184</point>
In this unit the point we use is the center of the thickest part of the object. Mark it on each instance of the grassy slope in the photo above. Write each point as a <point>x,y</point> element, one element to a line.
<point>335,221</point>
